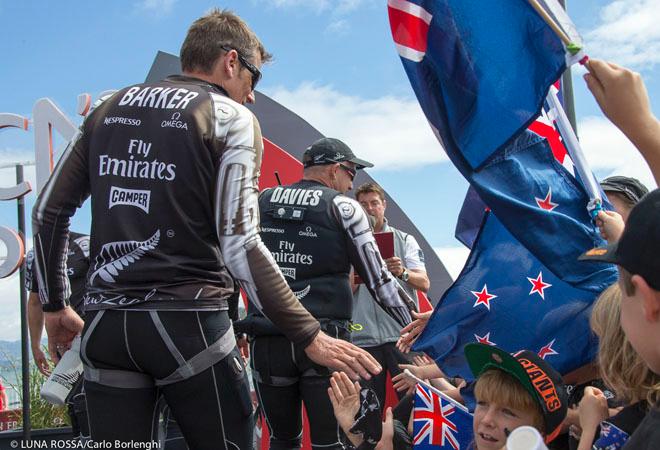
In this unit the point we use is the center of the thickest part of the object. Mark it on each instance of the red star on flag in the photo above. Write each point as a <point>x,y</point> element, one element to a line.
<point>546,203</point>
<point>484,339</point>
<point>538,285</point>
<point>483,297</point>
<point>548,350</point>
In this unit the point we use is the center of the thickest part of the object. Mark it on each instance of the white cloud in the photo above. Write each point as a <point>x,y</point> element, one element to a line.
<point>607,149</point>
<point>337,28</point>
<point>453,258</point>
<point>391,132</point>
<point>627,33</point>
<point>155,7</point>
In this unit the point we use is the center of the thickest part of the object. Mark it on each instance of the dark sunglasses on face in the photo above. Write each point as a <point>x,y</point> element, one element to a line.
<point>256,73</point>
<point>352,172</point>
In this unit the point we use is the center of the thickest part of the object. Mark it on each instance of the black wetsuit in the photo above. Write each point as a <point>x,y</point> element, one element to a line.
<point>315,234</point>
<point>172,169</point>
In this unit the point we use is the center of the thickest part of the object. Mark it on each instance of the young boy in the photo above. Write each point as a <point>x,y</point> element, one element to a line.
<point>638,256</point>
<point>513,391</point>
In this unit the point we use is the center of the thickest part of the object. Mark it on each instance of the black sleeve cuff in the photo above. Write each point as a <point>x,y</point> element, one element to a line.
<point>304,343</point>
<point>52,307</point>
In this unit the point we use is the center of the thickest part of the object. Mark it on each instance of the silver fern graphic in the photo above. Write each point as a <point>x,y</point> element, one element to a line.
<point>116,256</point>
<point>302,293</point>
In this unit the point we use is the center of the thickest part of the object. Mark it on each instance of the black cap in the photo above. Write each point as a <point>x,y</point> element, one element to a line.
<point>638,250</point>
<point>330,151</point>
<point>631,188</point>
<point>535,375</point>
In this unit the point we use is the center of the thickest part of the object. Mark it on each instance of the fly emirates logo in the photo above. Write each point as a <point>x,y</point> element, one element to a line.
<point>136,166</point>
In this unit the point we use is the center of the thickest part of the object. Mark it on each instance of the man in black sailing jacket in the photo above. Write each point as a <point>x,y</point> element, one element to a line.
<point>315,233</point>
<point>172,169</point>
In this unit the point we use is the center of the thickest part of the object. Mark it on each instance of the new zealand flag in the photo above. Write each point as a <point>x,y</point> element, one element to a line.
<point>480,69</point>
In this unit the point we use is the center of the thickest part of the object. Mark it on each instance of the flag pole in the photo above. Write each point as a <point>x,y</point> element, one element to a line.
<point>409,374</point>
<point>570,46</point>
<point>567,88</point>
<point>574,149</point>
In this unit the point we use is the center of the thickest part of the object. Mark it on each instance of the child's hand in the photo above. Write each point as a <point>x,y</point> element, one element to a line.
<point>593,409</point>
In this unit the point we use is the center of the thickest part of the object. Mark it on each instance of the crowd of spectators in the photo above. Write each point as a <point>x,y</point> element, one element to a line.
<point>615,406</point>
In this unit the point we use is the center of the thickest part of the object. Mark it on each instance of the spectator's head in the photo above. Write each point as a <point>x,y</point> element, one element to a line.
<point>372,198</point>
<point>333,163</point>
<point>512,391</point>
<point>638,256</point>
<point>623,193</point>
<point>222,49</point>
<point>621,367</point>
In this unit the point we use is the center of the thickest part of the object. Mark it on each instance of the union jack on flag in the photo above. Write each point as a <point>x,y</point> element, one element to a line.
<point>439,422</point>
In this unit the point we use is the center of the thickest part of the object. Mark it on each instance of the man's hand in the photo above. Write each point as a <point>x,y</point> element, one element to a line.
<point>411,332</point>
<point>611,225</point>
<point>345,398</point>
<point>40,360</point>
<point>395,266</point>
<point>342,356</point>
<point>61,326</point>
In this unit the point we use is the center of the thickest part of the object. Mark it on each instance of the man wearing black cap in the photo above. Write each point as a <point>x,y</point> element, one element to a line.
<point>637,254</point>
<point>315,234</point>
<point>623,193</point>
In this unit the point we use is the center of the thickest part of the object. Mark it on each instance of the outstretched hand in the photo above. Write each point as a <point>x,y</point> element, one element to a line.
<point>387,438</point>
<point>340,355</point>
<point>345,398</point>
<point>404,383</point>
<point>411,332</point>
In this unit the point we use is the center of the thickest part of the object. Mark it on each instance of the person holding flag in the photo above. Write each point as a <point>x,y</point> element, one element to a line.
<point>480,98</point>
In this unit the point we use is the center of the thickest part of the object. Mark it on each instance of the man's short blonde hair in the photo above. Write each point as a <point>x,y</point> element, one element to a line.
<point>208,34</point>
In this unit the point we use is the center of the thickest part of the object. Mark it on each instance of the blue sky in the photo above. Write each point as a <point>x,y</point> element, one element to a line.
<point>335,65</point>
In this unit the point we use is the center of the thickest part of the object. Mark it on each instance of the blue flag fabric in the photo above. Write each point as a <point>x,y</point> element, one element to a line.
<point>480,69</point>
<point>611,437</point>
<point>470,218</point>
<point>506,297</point>
<point>545,208</point>
<point>439,422</point>
<point>481,72</point>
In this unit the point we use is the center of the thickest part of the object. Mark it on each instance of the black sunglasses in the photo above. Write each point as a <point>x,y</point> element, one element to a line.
<point>352,172</point>
<point>256,73</point>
